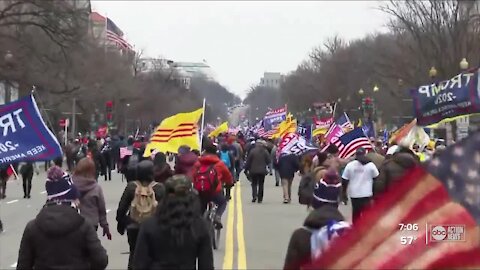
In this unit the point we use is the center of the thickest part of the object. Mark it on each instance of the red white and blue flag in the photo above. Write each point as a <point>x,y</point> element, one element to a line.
<point>274,117</point>
<point>427,219</point>
<point>115,35</point>
<point>341,126</point>
<point>349,143</point>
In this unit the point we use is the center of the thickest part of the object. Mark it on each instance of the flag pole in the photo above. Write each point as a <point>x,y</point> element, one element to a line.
<point>202,127</point>
<point>334,109</point>
<point>67,121</point>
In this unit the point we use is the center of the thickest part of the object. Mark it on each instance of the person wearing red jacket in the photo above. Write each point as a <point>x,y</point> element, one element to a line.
<point>210,158</point>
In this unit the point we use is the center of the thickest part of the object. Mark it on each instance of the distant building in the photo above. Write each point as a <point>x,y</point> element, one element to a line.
<point>194,70</point>
<point>272,79</point>
<point>149,64</point>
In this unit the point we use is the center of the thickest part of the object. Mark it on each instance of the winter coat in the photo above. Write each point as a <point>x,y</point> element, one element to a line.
<point>92,202</point>
<point>376,158</point>
<point>299,249</point>
<point>223,173</point>
<point>27,169</point>
<point>392,169</point>
<point>184,164</point>
<point>273,156</point>
<point>126,201</point>
<point>162,173</point>
<point>60,238</point>
<point>258,160</point>
<point>287,166</point>
<point>154,248</point>
<point>97,158</point>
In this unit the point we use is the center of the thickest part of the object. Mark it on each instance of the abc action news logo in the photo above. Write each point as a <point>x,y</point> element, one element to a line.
<point>447,233</point>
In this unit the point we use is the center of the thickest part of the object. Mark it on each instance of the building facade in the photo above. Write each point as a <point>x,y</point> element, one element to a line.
<point>272,79</point>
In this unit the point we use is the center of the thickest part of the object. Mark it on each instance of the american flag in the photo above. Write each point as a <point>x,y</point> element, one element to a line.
<point>345,123</point>
<point>260,131</point>
<point>265,134</point>
<point>114,34</point>
<point>348,143</point>
<point>445,192</point>
<point>124,151</point>
<point>341,126</point>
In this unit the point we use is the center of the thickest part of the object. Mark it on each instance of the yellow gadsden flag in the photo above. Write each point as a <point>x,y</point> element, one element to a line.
<point>175,131</point>
<point>220,129</point>
<point>285,127</point>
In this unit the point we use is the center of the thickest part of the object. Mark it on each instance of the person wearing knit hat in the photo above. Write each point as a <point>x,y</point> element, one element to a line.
<point>327,190</point>
<point>59,237</point>
<point>59,186</point>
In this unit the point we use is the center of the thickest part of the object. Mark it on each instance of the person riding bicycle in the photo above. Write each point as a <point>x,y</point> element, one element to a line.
<point>210,174</point>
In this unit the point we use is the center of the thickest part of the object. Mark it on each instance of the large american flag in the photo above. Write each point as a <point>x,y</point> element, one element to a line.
<point>115,35</point>
<point>348,143</point>
<point>259,130</point>
<point>446,191</point>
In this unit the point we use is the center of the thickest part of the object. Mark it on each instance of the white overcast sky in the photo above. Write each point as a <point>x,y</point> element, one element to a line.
<point>240,40</point>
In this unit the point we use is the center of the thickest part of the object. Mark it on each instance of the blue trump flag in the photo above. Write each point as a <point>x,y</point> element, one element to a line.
<point>447,99</point>
<point>24,135</point>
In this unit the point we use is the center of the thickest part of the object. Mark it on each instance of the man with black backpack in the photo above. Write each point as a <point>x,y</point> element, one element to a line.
<point>210,174</point>
<point>140,199</point>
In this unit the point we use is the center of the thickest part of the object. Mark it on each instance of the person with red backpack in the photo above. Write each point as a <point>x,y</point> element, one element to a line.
<point>210,174</point>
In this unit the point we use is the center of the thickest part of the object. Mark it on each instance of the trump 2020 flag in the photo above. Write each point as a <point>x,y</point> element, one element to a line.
<point>24,135</point>
<point>293,144</point>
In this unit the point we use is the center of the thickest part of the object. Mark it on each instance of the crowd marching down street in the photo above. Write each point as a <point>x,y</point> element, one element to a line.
<point>178,186</point>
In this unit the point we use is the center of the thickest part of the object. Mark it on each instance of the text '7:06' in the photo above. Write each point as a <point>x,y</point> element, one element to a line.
<point>408,227</point>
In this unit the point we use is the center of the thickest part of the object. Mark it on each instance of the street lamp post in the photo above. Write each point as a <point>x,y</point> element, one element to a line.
<point>432,73</point>
<point>126,121</point>
<point>462,124</point>
<point>463,64</point>
<point>9,62</point>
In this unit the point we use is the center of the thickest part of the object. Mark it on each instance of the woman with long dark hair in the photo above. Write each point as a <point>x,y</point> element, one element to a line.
<point>177,236</point>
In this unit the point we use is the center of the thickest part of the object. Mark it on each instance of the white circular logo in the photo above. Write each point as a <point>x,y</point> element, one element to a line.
<point>439,233</point>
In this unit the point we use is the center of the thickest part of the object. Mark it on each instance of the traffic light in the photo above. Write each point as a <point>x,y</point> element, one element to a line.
<point>109,105</point>
<point>109,111</point>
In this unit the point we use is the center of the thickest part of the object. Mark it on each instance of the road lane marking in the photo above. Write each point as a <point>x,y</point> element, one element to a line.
<point>13,201</point>
<point>228,257</point>
<point>14,265</point>
<point>43,192</point>
<point>108,210</point>
<point>242,256</point>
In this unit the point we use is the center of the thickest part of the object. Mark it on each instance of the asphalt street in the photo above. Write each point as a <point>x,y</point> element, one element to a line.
<point>255,236</point>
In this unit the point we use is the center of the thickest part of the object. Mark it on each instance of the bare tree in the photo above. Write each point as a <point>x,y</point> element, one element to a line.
<point>437,33</point>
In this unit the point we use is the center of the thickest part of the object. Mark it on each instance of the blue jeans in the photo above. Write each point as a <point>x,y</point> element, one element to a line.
<point>238,169</point>
<point>219,199</point>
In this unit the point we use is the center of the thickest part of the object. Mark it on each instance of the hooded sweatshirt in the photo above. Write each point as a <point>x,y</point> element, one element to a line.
<point>92,201</point>
<point>298,253</point>
<point>162,172</point>
<point>185,163</point>
<point>60,238</point>
<point>223,173</point>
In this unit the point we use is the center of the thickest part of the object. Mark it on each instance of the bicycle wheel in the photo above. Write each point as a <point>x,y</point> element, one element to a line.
<point>213,235</point>
<point>217,237</point>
